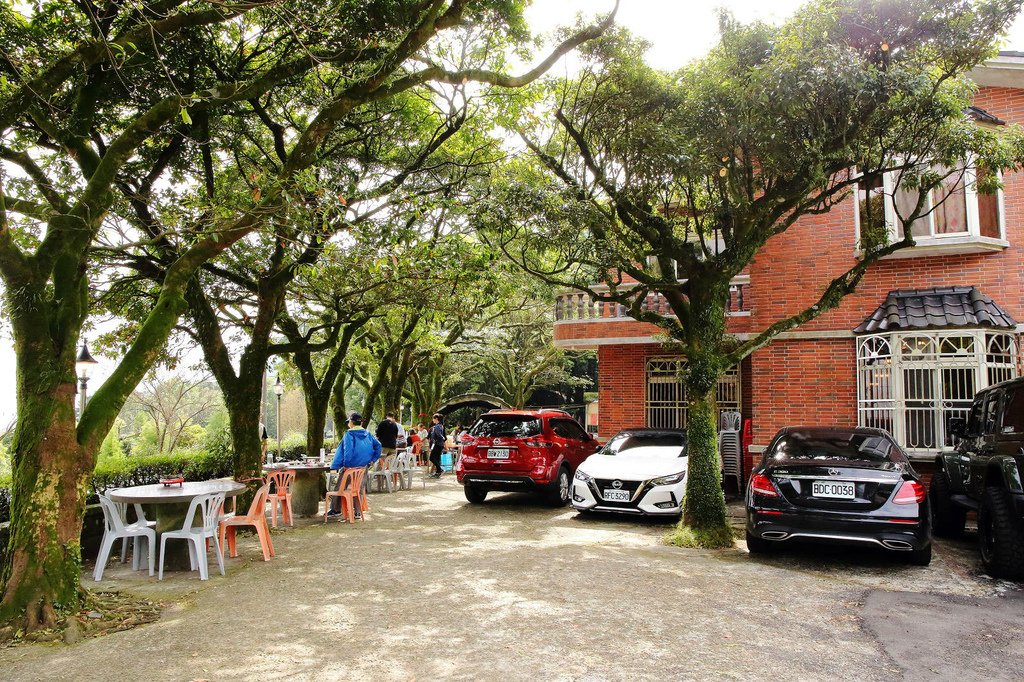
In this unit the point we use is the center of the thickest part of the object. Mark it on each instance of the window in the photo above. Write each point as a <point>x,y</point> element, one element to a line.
<point>509,426</point>
<point>991,410</point>
<point>666,395</point>
<point>913,383</point>
<point>567,428</point>
<point>956,213</point>
<point>1013,410</point>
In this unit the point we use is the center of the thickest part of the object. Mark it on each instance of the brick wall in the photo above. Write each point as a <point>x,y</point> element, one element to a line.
<point>622,386</point>
<point>802,382</point>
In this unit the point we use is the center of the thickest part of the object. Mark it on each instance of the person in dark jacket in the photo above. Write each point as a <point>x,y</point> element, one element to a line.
<point>436,438</point>
<point>358,449</point>
<point>387,434</point>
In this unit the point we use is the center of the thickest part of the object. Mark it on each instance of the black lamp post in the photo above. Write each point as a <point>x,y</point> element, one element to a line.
<point>84,365</point>
<point>278,391</point>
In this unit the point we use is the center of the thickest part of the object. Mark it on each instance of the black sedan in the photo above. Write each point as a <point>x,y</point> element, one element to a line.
<point>840,486</point>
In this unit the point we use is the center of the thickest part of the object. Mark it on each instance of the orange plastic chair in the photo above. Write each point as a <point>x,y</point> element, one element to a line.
<point>256,518</point>
<point>349,492</point>
<point>282,495</point>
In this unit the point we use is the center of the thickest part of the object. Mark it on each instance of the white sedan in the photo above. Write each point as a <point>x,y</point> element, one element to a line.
<point>639,471</point>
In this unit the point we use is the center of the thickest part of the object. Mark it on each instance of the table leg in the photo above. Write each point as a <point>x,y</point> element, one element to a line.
<point>307,491</point>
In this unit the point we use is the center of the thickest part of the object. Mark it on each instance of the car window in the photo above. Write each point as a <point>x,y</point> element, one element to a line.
<point>567,428</point>
<point>799,445</point>
<point>974,418</point>
<point>1013,410</point>
<point>507,425</point>
<point>628,441</point>
<point>991,410</point>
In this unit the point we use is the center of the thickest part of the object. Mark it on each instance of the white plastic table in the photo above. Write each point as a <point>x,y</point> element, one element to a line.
<point>171,504</point>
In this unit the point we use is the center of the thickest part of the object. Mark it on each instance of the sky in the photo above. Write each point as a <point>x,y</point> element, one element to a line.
<point>678,30</point>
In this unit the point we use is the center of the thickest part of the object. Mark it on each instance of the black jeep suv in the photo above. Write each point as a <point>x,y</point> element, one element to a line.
<point>985,474</point>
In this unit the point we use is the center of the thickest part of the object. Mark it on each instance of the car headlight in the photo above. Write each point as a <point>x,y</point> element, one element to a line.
<point>669,480</point>
<point>581,476</point>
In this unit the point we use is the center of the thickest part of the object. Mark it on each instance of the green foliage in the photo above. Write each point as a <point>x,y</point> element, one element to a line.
<point>218,434</point>
<point>112,448</point>
<point>195,465</point>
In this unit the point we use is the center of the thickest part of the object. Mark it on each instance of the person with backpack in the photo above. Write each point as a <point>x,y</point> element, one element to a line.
<point>358,449</point>
<point>436,438</point>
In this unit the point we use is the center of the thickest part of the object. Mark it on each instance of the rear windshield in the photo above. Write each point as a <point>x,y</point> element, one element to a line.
<point>831,447</point>
<point>509,426</point>
<point>665,443</point>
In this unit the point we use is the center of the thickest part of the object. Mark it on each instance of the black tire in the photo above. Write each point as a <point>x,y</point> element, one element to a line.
<point>559,492</point>
<point>948,518</point>
<point>1000,537</point>
<point>921,557</point>
<point>474,494</point>
<point>757,545</point>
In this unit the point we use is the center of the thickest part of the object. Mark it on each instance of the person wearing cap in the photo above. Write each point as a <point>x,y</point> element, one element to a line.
<point>358,449</point>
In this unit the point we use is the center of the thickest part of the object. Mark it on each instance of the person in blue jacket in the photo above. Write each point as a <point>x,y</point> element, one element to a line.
<point>358,448</point>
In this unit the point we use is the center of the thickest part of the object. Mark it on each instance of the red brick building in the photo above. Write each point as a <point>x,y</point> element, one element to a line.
<point>925,330</point>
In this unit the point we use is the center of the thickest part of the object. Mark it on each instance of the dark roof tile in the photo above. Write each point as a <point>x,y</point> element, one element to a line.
<point>936,308</point>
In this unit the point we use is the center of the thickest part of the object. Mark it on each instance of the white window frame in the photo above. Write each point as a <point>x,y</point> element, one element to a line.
<point>881,393</point>
<point>939,243</point>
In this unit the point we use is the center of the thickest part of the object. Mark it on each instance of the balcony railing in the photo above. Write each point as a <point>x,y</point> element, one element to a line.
<point>577,306</point>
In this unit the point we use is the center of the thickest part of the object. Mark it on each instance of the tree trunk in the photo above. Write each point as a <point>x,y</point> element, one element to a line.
<point>50,478</point>
<point>704,516</point>
<point>316,421</point>
<point>243,408</point>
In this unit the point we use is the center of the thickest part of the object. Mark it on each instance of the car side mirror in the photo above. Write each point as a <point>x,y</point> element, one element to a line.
<point>958,427</point>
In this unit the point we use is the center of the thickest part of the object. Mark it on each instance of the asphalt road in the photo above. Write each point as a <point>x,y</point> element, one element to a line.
<point>431,587</point>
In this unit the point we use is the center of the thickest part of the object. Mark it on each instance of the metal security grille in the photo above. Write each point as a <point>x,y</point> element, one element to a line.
<point>912,384</point>
<point>666,395</point>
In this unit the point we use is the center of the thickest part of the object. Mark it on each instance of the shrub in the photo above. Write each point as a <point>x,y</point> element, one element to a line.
<point>197,465</point>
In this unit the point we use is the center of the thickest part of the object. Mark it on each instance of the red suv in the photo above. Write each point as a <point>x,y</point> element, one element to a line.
<point>523,450</point>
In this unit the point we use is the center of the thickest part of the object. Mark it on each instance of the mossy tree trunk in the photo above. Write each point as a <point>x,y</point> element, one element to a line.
<point>704,513</point>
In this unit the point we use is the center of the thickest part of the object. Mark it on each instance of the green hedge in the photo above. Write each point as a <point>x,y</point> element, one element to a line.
<point>129,471</point>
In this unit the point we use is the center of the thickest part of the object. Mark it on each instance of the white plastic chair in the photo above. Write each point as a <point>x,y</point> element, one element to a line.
<point>385,470</point>
<point>730,451</point>
<point>140,518</point>
<point>114,528</point>
<point>211,507</point>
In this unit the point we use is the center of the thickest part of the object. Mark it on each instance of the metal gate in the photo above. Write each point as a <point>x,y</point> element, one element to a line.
<point>666,395</point>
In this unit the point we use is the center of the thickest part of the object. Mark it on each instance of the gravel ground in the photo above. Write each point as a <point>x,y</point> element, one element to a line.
<point>431,587</point>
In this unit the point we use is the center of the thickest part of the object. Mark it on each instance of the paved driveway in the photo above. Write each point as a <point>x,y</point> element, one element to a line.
<point>433,588</point>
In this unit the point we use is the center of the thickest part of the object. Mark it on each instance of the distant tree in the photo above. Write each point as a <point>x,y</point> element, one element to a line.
<point>643,182</point>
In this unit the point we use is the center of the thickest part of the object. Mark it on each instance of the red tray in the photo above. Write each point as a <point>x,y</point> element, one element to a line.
<point>172,481</point>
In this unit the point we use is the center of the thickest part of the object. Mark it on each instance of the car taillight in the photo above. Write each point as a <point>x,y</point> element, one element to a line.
<point>762,485</point>
<point>538,442</point>
<point>911,492</point>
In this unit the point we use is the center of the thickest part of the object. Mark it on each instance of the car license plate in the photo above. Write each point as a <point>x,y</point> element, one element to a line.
<point>497,453</point>
<point>842,490</point>
<point>611,495</point>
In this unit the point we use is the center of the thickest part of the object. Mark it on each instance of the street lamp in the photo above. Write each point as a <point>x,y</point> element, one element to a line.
<point>83,365</point>
<point>278,391</point>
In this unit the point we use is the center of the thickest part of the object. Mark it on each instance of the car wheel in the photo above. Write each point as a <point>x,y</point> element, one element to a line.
<point>1000,539</point>
<point>474,494</point>
<point>558,495</point>
<point>757,545</point>
<point>948,518</point>
<point>921,557</point>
